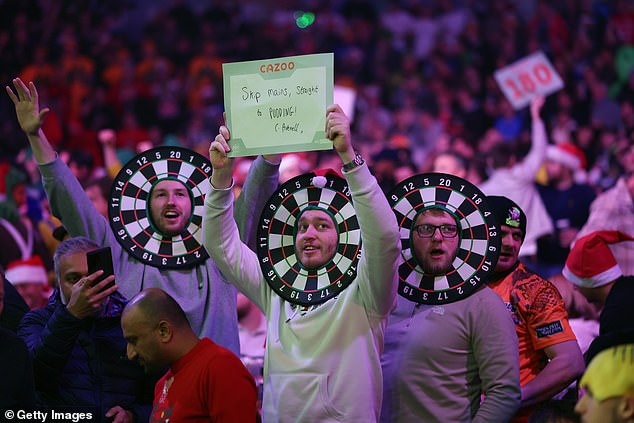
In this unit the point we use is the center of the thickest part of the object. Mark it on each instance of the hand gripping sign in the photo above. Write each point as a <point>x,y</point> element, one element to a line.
<point>522,80</point>
<point>479,237</point>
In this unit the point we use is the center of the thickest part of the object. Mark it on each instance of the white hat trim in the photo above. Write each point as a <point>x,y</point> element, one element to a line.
<point>26,273</point>
<point>595,281</point>
<point>563,157</point>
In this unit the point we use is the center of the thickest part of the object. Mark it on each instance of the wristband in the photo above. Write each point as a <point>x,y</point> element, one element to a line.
<point>355,163</point>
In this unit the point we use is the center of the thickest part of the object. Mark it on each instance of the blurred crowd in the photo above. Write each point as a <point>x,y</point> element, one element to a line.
<point>149,74</point>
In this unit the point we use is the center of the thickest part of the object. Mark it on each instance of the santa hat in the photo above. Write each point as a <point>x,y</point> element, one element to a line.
<point>26,271</point>
<point>567,154</point>
<point>590,263</point>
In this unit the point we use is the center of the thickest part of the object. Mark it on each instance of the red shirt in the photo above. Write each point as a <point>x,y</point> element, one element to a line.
<point>208,384</point>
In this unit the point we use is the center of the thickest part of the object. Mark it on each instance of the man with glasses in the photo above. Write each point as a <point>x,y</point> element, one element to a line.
<point>435,240</point>
<point>550,358</point>
<point>453,362</point>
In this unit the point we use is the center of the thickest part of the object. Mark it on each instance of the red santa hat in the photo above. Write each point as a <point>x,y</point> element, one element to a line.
<point>567,154</point>
<point>590,263</point>
<point>26,271</point>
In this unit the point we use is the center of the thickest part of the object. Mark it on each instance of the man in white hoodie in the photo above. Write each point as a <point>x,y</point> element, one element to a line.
<point>322,360</point>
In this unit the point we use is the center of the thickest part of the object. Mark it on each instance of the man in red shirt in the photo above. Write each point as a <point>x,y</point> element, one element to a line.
<point>550,358</point>
<point>204,382</point>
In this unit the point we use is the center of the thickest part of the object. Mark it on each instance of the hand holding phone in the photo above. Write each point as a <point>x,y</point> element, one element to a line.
<point>100,259</point>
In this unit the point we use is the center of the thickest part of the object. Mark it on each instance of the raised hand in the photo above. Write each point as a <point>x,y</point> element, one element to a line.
<point>537,103</point>
<point>219,148</point>
<point>338,130</point>
<point>27,106</point>
<point>85,299</point>
<point>223,165</point>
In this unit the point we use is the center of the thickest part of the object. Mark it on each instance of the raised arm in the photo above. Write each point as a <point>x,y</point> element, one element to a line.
<point>221,238</point>
<point>30,118</point>
<point>66,196</point>
<point>539,141</point>
<point>108,139</point>
<point>377,272</point>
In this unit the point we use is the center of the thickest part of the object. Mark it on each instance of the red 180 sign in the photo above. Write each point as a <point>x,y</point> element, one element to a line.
<point>530,76</point>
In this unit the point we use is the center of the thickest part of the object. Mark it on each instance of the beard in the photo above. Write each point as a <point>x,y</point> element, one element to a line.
<point>436,268</point>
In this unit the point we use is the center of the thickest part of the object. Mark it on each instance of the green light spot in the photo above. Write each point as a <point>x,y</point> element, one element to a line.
<point>304,19</point>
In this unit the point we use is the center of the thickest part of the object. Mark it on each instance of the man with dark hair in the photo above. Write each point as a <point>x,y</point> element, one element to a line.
<point>550,358</point>
<point>77,345</point>
<point>204,380</point>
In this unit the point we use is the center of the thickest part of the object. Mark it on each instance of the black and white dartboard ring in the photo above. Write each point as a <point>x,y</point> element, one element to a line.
<point>479,245</point>
<point>276,239</point>
<point>129,215</point>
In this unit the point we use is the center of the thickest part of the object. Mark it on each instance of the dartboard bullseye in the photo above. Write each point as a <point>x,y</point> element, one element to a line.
<point>479,243</point>
<point>276,239</point>
<point>129,212</point>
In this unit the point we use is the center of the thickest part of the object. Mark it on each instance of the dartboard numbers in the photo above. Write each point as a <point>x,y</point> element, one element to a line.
<point>479,242</point>
<point>129,212</point>
<point>276,241</point>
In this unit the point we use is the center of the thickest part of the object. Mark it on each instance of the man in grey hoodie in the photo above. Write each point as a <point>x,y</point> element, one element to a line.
<point>207,299</point>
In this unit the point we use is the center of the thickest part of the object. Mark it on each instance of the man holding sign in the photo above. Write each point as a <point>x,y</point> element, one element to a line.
<point>325,324</point>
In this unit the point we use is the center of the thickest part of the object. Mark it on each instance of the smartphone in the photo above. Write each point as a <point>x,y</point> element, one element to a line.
<point>100,259</point>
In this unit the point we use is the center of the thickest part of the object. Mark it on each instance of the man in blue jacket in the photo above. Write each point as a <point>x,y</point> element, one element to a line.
<point>77,347</point>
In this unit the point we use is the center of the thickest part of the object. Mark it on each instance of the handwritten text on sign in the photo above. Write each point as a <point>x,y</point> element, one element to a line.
<point>278,105</point>
<point>526,78</point>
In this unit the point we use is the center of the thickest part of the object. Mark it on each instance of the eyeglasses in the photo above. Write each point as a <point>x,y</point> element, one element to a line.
<point>427,231</point>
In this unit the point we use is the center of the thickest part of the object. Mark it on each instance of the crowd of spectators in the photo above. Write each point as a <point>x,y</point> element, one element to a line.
<point>149,73</point>
<point>422,72</point>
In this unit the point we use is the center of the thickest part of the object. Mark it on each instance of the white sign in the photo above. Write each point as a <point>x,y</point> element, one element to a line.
<point>522,80</point>
<point>346,97</point>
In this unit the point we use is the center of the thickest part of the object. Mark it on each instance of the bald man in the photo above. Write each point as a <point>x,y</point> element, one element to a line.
<point>203,379</point>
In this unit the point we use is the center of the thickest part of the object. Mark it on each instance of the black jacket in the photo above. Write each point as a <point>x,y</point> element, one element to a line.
<point>83,362</point>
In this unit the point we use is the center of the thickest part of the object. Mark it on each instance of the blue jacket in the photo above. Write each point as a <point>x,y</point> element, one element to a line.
<point>83,362</point>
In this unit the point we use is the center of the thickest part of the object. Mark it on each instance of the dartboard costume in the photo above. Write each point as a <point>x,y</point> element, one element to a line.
<point>203,293</point>
<point>322,365</point>
<point>448,340</point>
